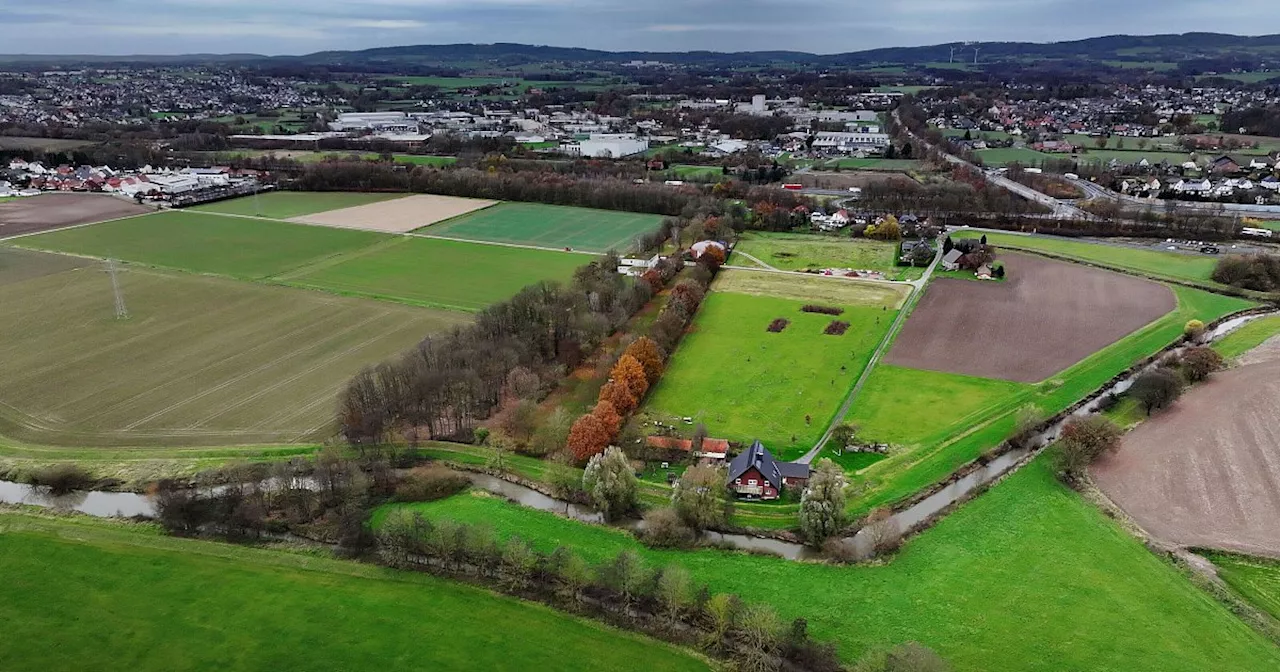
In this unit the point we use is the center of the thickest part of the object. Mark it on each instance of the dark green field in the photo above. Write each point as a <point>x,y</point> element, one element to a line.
<point>286,204</point>
<point>549,226</point>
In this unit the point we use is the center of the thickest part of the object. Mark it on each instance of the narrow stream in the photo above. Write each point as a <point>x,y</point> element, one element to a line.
<point>128,504</point>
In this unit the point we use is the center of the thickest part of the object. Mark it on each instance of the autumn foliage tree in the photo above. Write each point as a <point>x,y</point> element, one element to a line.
<point>713,257</point>
<point>619,396</point>
<point>628,371</point>
<point>646,351</point>
<point>609,418</point>
<point>589,436</point>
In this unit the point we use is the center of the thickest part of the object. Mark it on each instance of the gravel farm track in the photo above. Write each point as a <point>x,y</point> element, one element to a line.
<point>1047,316</point>
<point>1206,472</point>
<point>47,212</point>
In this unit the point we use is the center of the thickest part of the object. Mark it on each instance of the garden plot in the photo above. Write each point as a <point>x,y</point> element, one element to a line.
<point>1047,316</point>
<point>399,215</point>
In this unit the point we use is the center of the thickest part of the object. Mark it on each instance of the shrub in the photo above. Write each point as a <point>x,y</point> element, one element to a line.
<point>1198,363</point>
<point>840,551</point>
<point>1193,330</point>
<point>836,328</point>
<point>825,310</point>
<point>1156,389</point>
<point>1084,440</point>
<point>62,478</point>
<point>1259,272</point>
<point>663,528</point>
<point>778,325</point>
<point>426,484</point>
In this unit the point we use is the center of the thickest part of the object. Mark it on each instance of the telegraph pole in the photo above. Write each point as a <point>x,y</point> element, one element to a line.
<point>122,312</point>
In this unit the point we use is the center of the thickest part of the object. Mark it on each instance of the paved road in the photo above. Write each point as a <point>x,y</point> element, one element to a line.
<point>1059,209</point>
<point>917,289</point>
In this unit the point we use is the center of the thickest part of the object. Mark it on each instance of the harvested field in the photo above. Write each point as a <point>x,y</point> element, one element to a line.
<point>1047,316</point>
<point>1206,472</point>
<point>815,289</point>
<point>47,212</point>
<point>399,215</point>
<point>199,361</point>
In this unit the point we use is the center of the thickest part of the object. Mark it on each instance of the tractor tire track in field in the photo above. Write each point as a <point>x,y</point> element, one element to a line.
<point>238,355</point>
<point>236,379</point>
<point>291,379</point>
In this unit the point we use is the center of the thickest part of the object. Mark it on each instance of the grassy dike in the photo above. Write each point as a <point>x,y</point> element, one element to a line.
<point>84,594</point>
<point>1026,577</point>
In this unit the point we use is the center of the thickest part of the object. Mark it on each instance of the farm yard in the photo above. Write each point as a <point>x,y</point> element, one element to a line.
<point>1027,328</point>
<point>47,212</point>
<point>1028,551</point>
<point>199,361</point>
<point>745,382</point>
<point>399,215</point>
<point>290,204</point>
<point>435,273</point>
<point>552,226</point>
<point>188,604</point>
<point>1202,473</point>
<point>206,243</point>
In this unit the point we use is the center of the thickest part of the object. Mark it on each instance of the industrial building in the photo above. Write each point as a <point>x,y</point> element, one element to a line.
<point>610,146</point>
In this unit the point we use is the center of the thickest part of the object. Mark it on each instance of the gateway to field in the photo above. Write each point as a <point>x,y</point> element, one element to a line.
<point>399,215</point>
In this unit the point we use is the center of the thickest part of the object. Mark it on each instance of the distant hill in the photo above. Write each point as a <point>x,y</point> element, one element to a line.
<point>1130,49</point>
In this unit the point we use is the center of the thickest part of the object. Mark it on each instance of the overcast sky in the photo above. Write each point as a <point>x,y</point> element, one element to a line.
<point>821,26</point>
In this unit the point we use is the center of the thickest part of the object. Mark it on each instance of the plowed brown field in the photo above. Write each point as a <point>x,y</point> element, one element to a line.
<point>1046,317</point>
<point>55,211</point>
<point>1207,471</point>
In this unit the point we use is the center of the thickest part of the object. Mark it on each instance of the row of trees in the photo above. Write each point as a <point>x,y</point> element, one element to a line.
<point>664,602</point>
<point>1259,272</point>
<point>513,352</point>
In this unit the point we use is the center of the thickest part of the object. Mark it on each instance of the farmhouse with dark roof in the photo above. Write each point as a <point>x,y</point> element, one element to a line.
<point>755,473</point>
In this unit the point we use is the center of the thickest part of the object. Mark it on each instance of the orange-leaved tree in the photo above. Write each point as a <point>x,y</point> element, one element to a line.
<point>646,351</point>
<point>628,371</point>
<point>609,419</point>
<point>619,395</point>
<point>588,437</point>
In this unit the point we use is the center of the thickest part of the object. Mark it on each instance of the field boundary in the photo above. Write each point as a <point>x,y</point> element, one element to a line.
<point>521,246</point>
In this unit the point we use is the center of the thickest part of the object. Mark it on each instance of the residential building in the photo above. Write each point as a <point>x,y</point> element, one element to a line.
<point>754,473</point>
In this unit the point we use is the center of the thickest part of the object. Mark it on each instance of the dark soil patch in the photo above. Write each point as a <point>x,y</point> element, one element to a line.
<point>836,328</point>
<point>778,324</point>
<point>1047,316</point>
<point>47,212</point>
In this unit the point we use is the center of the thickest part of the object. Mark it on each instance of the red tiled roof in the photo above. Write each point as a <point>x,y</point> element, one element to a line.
<point>708,444</point>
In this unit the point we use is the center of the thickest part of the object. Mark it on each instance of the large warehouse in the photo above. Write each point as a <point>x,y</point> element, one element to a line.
<point>611,146</point>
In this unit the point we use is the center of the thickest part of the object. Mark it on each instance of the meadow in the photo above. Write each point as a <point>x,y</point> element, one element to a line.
<point>1256,579</point>
<point>798,252</point>
<point>289,204</point>
<point>206,243</point>
<point>436,273</point>
<point>78,593</point>
<point>1026,577</point>
<point>746,383</point>
<point>553,226</point>
<point>898,165</point>
<point>198,361</point>
<point>1006,155</point>
<point>1149,261</point>
<point>1247,337</point>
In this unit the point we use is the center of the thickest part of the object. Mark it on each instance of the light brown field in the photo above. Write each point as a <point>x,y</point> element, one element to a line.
<point>1047,316</point>
<point>1206,472</point>
<point>400,215</point>
<point>47,212</point>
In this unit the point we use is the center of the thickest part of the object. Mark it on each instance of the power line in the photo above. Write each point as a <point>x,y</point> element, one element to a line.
<point>122,312</point>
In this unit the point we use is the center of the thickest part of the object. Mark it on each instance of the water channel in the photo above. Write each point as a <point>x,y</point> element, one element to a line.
<point>129,504</point>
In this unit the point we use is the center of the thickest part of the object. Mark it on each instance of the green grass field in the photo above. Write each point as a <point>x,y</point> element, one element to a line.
<point>199,361</point>
<point>899,165</point>
<point>683,171</point>
<point>1256,579</point>
<point>287,204</point>
<point>436,273</point>
<point>1248,337</point>
<point>206,243</point>
<point>79,593</point>
<point>549,226</point>
<point>1006,155</point>
<point>1026,577</point>
<point>1150,261</point>
<point>745,383</point>
<point>798,252</point>
<point>910,406</point>
<point>907,472</point>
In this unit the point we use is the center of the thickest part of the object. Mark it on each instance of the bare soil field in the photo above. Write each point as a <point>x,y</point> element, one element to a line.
<point>47,212</point>
<point>1047,316</point>
<point>400,215</point>
<point>1207,471</point>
